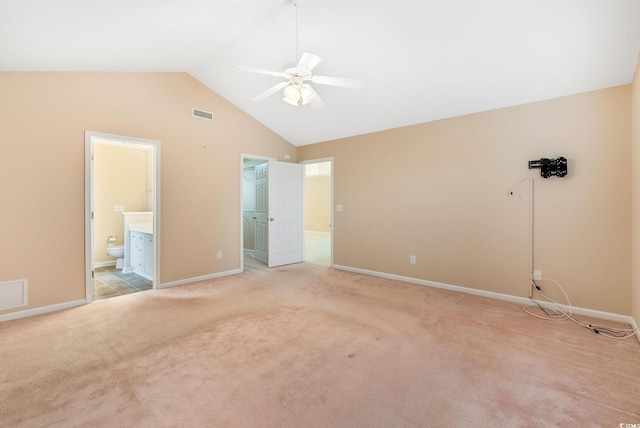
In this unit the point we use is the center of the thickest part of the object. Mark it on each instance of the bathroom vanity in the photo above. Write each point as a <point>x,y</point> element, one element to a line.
<point>142,253</point>
<point>138,244</point>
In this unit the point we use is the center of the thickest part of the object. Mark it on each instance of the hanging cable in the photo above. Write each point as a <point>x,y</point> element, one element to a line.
<point>557,311</point>
<point>516,187</point>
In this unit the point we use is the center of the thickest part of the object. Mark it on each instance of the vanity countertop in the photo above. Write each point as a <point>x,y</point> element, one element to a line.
<point>141,227</point>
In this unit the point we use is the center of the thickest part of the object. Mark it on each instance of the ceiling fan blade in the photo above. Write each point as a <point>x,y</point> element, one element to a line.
<point>272,90</point>
<point>316,102</point>
<point>259,71</point>
<point>338,81</point>
<point>308,62</point>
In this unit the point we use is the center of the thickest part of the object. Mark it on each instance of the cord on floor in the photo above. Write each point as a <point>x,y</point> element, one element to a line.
<point>556,311</point>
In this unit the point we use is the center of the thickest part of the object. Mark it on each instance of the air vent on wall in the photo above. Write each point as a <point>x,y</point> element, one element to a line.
<point>202,114</point>
<point>13,294</point>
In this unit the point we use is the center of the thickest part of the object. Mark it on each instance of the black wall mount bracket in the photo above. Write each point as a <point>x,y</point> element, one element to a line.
<point>549,167</point>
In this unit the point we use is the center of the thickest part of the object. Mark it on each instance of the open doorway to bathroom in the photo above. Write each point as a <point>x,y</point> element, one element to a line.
<point>122,215</point>
<point>318,197</point>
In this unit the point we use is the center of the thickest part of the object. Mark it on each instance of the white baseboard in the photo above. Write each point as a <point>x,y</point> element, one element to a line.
<point>74,303</point>
<point>42,310</point>
<point>634,325</point>
<point>482,293</point>
<point>490,294</point>
<point>104,264</point>
<point>198,278</point>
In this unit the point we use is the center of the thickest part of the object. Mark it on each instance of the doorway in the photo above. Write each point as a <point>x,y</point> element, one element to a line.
<point>276,218</point>
<point>122,215</point>
<point>248,201</point>
<point>318,217</point>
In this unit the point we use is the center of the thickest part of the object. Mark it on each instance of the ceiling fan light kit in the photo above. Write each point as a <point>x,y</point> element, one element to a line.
<point>295,91</point>
<point>298,93</point>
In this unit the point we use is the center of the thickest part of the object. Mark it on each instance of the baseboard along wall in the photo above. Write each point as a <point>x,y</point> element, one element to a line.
<point>199,278</point>
<point>489,294</point>
<point>42,310</point>
<point>104,264</point>
<point>492,295</point>
<point>71,304</point>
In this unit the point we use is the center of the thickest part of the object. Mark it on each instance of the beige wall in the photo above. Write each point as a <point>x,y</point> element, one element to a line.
<point>635,131</point>
<point>44,117</point>
<point>119,178</point>
<point>439,191</point>
<point>317,203</point>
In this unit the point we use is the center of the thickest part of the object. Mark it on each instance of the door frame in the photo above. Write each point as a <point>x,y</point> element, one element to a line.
<point>243,157</point>
<point>91,138</point>
<point>331,218</point>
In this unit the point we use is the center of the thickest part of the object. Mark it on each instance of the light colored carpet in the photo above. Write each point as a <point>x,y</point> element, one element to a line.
<point>308,346</point>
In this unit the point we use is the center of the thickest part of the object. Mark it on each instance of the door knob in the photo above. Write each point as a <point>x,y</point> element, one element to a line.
<point>271,219</point>
<point>255,218</point>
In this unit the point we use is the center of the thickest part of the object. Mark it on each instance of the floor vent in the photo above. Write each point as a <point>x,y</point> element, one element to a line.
<point>13,294</point>
<point>202,114</point>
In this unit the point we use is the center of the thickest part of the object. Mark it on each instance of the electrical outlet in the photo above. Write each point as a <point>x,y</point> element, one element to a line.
<point>412,259</point>
<point>219,255</point>
<point>537,275</point>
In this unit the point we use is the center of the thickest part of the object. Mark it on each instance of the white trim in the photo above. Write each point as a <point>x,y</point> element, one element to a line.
<point>90,136</point>
<point>41,310</point>
<point>319,160</point>
<point>199,278</point>
<point>331,217</point>
<point>104,264</point>
<point>634,325</point>
<point>489,294</point>
<point>88,223</point>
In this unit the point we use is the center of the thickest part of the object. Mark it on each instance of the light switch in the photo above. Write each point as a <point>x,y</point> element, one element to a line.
<point>339,208</point>
<point>118,207</point>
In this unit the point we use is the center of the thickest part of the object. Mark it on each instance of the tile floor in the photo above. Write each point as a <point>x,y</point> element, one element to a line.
<point>111,282</point>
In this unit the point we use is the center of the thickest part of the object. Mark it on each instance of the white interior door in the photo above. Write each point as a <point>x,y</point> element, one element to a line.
<point>279,237</point>
<point>285,225</point>
<point>262,213</point>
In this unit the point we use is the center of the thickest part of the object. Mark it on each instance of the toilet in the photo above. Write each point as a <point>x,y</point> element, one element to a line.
<point>117,251</point>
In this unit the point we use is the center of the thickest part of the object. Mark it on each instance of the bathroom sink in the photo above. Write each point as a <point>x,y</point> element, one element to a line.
<point>141,227</point>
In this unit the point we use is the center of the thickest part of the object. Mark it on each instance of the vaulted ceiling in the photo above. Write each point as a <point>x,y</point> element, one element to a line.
<point>420,60</point>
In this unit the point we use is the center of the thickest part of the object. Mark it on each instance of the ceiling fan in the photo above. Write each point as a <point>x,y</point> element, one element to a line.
<point>296,90</point>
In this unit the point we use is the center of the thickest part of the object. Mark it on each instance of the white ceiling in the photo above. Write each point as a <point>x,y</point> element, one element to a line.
<point>421,60</point>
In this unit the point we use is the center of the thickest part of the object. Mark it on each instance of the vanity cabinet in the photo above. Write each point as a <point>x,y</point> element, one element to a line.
<point>142,254</point>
